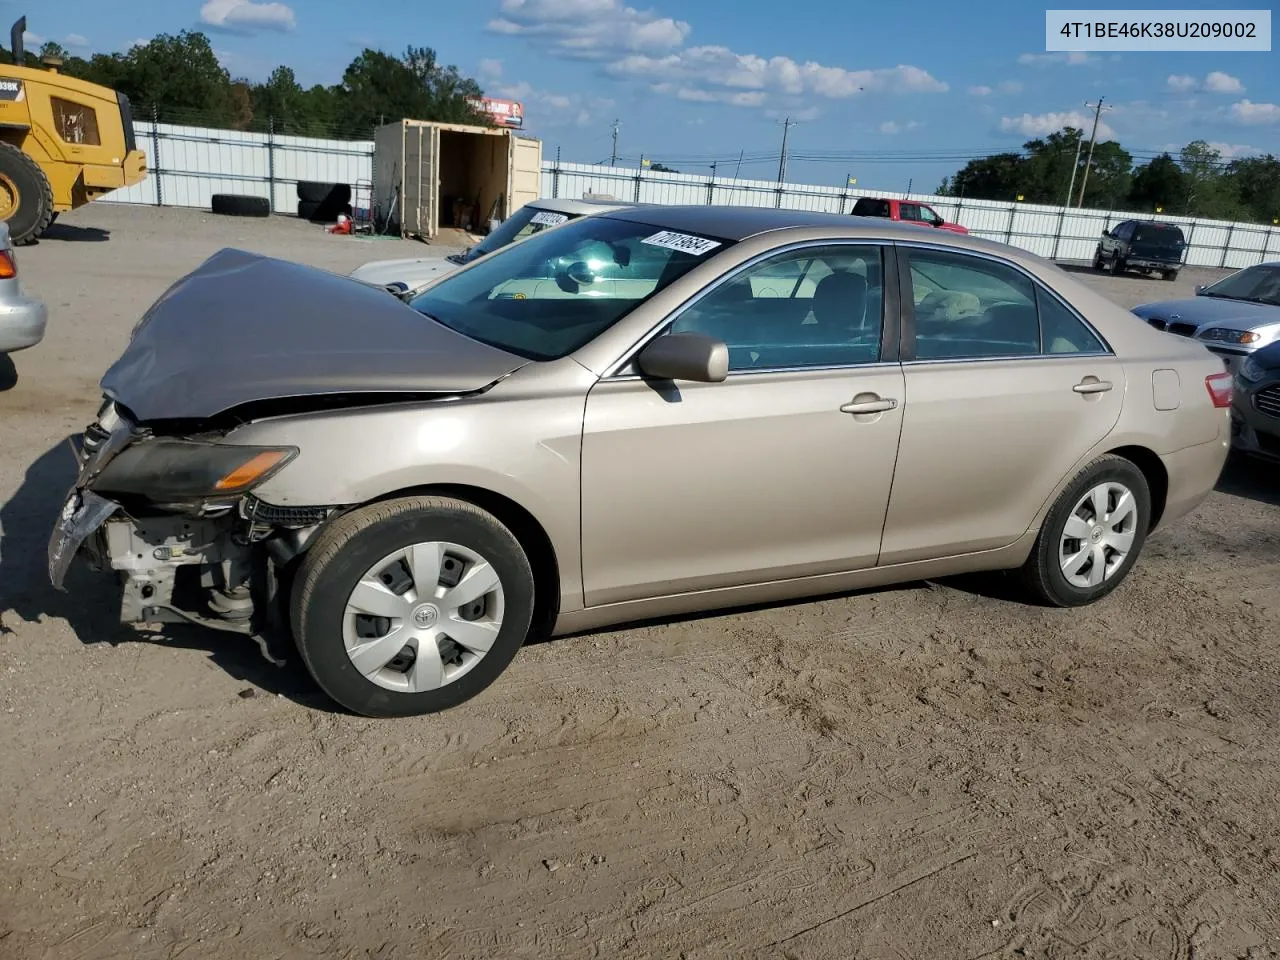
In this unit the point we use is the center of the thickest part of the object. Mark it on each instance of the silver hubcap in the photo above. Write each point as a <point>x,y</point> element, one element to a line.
<point>422,617</point>
<point>1098,535</point>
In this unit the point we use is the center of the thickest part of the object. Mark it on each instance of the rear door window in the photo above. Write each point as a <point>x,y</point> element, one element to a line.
<point>1158,235</point>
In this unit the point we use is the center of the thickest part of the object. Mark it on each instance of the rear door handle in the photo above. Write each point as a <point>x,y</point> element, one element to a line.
<point>878,405</point>
<point>1092,386</point>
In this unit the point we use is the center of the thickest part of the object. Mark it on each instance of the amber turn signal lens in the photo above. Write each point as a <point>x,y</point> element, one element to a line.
<point>250,471</point>
<point>8,268</point>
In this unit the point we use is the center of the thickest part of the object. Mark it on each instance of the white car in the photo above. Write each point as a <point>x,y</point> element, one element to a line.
<point>407,277</point>
<point>22,317</point>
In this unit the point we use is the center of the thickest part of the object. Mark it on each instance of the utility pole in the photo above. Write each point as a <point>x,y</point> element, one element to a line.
<point>1093,138</point>
<point>787,124</point>
<point>1075,168</point>
<point>613,158</point>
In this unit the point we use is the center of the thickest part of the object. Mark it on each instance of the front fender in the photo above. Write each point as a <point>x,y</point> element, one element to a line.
<point>526,449</point>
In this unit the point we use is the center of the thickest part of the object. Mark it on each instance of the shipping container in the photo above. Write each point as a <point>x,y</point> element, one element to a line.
<point>432,175</point>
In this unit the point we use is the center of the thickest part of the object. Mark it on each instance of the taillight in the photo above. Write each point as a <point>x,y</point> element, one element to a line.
<point>1219,387</point>
<point>8,267</point>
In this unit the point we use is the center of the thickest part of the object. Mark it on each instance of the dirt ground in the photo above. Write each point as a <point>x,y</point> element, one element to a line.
<point>930,772</point>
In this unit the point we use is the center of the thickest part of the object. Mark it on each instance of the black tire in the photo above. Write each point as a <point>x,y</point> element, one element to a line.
<point>309,210</point>
<point>353,544</point>
<point>310,191</point>
<point>32,195</point>
<point>1097,258</point>
<point>1170,275</point>
<point>1115,266</point>
<point>235,205</point>
<point>1042,573</point>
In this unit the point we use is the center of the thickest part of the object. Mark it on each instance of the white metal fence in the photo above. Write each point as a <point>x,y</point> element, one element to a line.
<point>190,164</point>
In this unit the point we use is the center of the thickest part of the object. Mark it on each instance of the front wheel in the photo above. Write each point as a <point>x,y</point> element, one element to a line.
<point>1091,536</point>
<point>411,606</point>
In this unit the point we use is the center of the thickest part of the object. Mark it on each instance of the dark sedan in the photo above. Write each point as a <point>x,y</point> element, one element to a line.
<point>1255,408</point>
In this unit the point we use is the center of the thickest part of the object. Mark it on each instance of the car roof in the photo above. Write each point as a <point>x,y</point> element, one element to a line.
<point>739,223</point>
<point>571,205</point>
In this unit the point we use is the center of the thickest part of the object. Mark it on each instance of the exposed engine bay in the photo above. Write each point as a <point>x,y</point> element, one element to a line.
<point>212,555</point>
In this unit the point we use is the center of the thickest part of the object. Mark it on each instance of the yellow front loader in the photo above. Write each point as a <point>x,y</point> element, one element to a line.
<point>63,143</point>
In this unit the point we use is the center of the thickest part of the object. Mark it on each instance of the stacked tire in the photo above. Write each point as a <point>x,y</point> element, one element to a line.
<point>323,202</point>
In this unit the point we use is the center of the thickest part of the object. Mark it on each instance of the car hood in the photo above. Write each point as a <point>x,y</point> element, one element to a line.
<point>1240,314</point>
<point>411,273</point>
<point>243,328</point>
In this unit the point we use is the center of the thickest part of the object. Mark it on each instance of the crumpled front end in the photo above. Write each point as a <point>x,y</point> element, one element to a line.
<point>176,520</point>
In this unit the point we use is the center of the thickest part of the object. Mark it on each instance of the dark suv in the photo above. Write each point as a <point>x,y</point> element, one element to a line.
<point>1145,245</point>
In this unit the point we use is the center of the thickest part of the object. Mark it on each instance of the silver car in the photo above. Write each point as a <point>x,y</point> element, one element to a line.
<point>644,413</point>
<point>1235,317</point>
<point>22,317</point>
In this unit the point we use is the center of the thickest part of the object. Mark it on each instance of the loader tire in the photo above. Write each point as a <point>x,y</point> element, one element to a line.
<point>25,195</point>
<point>235,205</point>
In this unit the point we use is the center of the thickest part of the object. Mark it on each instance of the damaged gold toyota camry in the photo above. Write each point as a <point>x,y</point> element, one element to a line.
<point>639,414</point>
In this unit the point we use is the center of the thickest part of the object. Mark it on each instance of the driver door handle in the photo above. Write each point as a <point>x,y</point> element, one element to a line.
<point>879,405</point>
<point>1092,386</point>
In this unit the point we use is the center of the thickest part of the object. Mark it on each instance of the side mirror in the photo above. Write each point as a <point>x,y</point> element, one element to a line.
<point>1106,233</point>
<point>1201,288</point>
<point>685,356</point>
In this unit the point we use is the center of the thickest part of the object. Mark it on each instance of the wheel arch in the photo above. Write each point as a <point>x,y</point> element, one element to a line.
<point>1157,476</point>
<point>527,529</point>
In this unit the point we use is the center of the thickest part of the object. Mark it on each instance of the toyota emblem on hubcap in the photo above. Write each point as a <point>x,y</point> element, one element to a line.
<point>425,615</point>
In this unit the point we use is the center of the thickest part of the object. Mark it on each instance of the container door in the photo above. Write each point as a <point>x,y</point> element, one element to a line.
<point>525,175</point>
<point>421,181</point>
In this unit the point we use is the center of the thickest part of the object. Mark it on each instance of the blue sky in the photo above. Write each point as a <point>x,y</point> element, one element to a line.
<point>886,92</point>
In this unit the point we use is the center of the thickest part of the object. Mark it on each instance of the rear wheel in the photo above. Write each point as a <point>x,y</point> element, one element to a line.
<point>1170,274</point>
<point>1092,535</point>
<point>1097,258</point>
<point>26,200</point>
<point>412,606</point>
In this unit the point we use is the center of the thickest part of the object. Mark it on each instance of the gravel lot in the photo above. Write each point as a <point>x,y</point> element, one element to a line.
<point>929,772</point>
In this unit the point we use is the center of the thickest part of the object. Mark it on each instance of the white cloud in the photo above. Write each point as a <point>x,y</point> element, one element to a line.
<point>1215,82</point>
<point>30,39</point>
<point>1255,114</point>
<point>718,74</point>
<point>893,128</point>
<point>1219,82</point>
<point>1231,151</point>
<point>1043,124</point>
<point>1074,58</point>
<point>139,43</point>
<point>490,69</point>
<point>648,48</point>
<point>1007,86</point>
<point>77,40</point>
<point>589,29</point>
<point>245,15</point>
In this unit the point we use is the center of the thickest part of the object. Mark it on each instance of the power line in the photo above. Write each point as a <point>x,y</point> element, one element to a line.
<point>787,124</point>
<point>1093,137</point>
<point>613,162</point>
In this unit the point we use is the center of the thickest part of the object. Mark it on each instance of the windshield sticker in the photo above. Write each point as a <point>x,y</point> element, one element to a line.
<point>682,242</point>
<point>546,218</point>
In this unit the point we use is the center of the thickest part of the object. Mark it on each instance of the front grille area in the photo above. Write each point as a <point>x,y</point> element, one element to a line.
<point>1268,442</point>
<point>1156,322</point>
<point>1183,329</point>
<point>1267,400</point>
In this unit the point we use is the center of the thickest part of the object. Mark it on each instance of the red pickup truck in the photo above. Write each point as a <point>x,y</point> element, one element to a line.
<point>908,211</point>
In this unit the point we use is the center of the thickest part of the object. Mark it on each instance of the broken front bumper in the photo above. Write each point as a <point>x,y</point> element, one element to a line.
<point>82,516</point>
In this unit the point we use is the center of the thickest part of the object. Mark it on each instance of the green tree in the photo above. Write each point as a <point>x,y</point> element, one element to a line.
<point>1045,174</point>
<point>1256,182</point>
<point>181,77</point>
<point>1209,192</point>
<point>379,88</point>
<point>998,177</point>
<point>1159,183</point>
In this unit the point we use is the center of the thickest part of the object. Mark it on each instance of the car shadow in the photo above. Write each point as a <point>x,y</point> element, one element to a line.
<point>90,603</point>
<point>1078,266</point>
<point>70,233</point>
<point>8,373</point>
<point>1251,479</point>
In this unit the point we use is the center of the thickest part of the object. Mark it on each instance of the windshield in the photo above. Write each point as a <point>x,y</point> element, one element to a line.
<point>547,296</point>
<point>525,222</point>
<point>1260,284</point>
